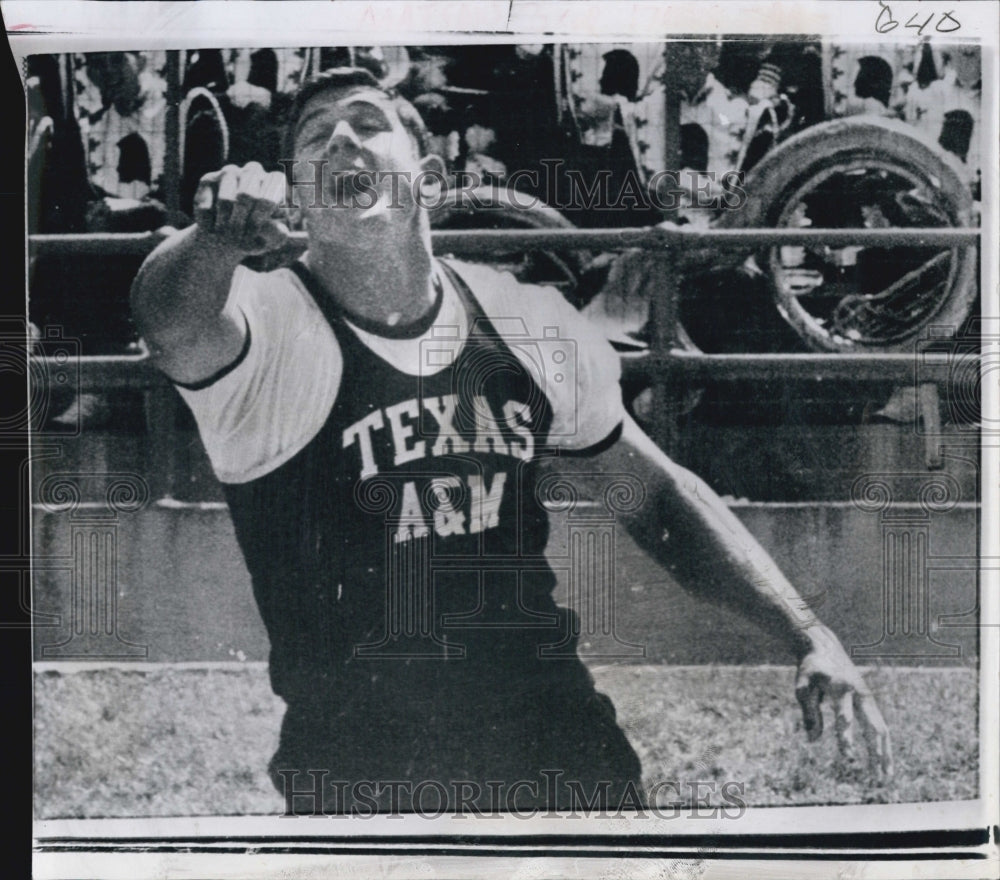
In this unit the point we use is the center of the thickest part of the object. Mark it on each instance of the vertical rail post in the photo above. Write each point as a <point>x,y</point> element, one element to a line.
<point>172,134</point>
<point>161,403</point>
<point>663,291</point>
<point>671,120</point>
<point>663,286</point>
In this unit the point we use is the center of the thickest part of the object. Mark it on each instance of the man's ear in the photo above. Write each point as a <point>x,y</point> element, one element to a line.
<point>433,180</point>
<point>434,163</point>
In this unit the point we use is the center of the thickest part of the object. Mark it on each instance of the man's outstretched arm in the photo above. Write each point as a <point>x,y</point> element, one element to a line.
<point>689,530</point>
<point>179,296</point>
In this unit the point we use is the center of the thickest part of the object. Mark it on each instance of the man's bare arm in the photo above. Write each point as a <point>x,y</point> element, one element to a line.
<point>180,295</point>
<point>685,526</point>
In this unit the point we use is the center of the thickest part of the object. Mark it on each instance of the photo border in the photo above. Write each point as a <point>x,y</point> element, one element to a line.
<point>960,839</point>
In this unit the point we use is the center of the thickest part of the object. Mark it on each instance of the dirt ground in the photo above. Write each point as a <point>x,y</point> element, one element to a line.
<point>175,741</point>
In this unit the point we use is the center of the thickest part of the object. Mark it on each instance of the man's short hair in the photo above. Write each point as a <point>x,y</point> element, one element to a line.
<point>343,78</point>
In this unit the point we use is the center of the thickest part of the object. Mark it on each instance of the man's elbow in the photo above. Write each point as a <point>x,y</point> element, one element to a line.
<point>152,300</point>
<point>143,305</point>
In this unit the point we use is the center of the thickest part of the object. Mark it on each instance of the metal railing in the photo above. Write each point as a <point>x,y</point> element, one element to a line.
<point>485,241</point>
<point>671,249</point>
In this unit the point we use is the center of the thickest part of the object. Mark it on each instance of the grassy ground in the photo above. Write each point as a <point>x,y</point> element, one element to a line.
<point>186,741</point>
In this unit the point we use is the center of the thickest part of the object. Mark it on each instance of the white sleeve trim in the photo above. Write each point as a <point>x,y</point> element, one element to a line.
<point>269,406</point>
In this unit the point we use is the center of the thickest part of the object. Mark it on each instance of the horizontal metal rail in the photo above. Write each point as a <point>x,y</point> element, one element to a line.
<point>890,368</point>
<point>484,241</point>
<point>108,372</point>
<point>137,372</point>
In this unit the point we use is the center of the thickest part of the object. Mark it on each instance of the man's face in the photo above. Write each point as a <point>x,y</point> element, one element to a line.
<point>365,151</point>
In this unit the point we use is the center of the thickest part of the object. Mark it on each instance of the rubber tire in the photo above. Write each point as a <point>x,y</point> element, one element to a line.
<point>775,179</point>
<point>490,207</point>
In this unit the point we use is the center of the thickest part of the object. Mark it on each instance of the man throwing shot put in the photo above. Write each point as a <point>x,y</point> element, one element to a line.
<point>381,422</point>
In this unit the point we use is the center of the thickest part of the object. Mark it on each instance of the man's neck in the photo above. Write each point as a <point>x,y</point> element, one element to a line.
<point>389,284</point>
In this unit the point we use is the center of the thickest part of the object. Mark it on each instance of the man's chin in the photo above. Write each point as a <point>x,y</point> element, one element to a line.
<point>364,216</point>
<point>357,227</point>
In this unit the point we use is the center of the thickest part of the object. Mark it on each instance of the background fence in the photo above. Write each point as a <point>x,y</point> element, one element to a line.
<point>666,365</point>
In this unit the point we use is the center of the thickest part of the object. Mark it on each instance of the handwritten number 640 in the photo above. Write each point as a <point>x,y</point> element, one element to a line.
<point>885,23</point>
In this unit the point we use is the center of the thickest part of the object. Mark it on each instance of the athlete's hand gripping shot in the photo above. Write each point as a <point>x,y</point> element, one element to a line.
<point>381,422</point>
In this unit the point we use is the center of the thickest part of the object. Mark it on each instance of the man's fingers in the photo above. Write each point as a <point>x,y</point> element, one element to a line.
<point>265,221</point>
<point>244,206</point>
<point>225,197</point>
<point>274,235</point>
<point>809,694</point>
<point>204,205</point>
<point>845,722</point>
<point>274,188</point>
<point>270,202</point>
<point>875,731</point>
<point>206,198</point>
<point>828,668</point>
<point>251,179</point>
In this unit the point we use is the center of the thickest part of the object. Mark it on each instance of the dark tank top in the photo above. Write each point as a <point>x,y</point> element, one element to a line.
<point>405,542</point>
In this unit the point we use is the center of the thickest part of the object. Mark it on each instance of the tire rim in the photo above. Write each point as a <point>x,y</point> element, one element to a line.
<point>819,294</point>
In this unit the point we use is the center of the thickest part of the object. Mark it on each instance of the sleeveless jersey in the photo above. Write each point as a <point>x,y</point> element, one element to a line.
<point>402,547</point>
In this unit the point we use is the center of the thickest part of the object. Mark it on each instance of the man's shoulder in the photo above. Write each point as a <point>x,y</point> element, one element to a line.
<point>275,290</point>
<point>479,274</point>
<point>281,278</point>
<point>499,293</point>
<point>281,312</point>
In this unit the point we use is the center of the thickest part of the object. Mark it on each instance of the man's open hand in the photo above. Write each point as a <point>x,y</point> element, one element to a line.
<point>243,207</point>
<point>827,671</point>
